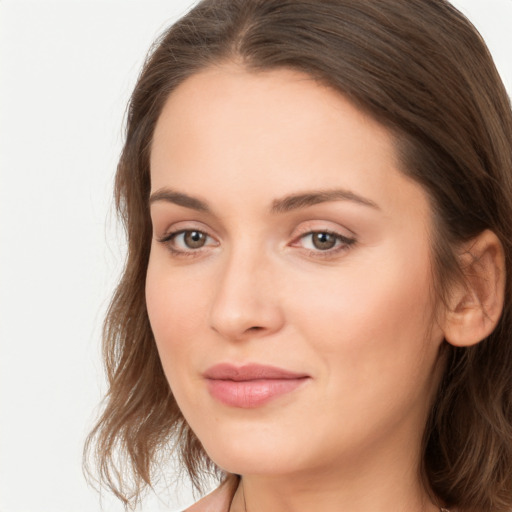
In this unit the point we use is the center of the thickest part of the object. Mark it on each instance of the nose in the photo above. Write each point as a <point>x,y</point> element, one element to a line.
<point>246,301</point>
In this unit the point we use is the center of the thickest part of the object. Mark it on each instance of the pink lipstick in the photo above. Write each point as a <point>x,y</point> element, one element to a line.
<point>251,385</point>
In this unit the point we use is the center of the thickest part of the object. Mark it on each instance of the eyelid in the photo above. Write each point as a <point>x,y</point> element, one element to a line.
<point>168,238</point>
<point>319,226</point>
<point>172,229</point>
<point>339,236</point>
<point>343,241</point>
<point>175,232</point>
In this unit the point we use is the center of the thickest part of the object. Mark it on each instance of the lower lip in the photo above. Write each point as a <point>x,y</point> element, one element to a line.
<point>251,393</point>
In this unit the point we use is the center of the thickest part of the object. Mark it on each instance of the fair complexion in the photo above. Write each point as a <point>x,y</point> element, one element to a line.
<point>285,235</point>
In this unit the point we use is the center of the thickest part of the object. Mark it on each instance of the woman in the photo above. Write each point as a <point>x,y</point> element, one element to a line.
<point>317,299</point>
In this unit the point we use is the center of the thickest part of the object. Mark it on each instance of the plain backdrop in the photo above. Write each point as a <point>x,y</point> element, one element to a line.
<point>66,71</point>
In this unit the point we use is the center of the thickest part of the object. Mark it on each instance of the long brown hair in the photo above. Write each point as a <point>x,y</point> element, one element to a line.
<point>420,68</point>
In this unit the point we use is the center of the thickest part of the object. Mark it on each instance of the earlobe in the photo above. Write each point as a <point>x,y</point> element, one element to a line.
<point>475,305</point>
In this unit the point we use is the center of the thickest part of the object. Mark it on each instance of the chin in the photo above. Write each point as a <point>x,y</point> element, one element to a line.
<point>253,462</point>
<point>262,450</point>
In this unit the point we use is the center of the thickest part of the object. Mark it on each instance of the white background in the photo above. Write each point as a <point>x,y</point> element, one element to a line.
<point>66,71</point>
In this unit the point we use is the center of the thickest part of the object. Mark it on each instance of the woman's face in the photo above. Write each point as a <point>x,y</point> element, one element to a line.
<point>289,282</point>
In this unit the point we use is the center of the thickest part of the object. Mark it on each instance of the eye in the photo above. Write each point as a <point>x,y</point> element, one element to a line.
<point>327,242</point>
<point>192,239</point>
<point>187,241</point>
<point>322,241</point>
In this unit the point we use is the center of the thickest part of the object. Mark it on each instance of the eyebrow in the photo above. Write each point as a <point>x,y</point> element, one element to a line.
<point>282,205</point>
<point>303,200</point>
<point>171,196</point>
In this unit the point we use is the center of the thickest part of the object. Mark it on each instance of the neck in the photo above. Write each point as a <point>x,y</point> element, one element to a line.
<point>254,495</point>
<point>359,487</point>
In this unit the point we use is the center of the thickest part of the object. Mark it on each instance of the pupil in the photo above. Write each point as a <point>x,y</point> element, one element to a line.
<point>194,239</point>
<point>324,241</point>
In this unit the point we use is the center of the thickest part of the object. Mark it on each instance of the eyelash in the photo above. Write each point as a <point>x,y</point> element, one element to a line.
<point>344,243</point>
<point>190,253</point>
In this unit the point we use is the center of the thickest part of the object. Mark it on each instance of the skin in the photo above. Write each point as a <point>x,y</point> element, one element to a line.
<point>356,318</point>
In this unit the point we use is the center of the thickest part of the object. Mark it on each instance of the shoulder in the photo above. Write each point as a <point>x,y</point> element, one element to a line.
<point>217,501</point>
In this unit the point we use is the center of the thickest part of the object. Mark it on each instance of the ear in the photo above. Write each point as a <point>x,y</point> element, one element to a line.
<point>475,305</point>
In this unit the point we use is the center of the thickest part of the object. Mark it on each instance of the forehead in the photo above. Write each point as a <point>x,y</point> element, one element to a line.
<point>270,132</point>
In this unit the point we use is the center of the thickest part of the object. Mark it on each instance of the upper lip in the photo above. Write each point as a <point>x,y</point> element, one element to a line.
<point>227,371</point>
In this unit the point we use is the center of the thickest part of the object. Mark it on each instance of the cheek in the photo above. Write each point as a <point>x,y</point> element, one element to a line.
<point>369,334</point>
<point>177,308</point>
<point>173,309</point>
<point>374,319</point>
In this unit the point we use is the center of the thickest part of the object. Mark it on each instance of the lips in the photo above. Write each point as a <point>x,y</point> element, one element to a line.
<point>251,385</point>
